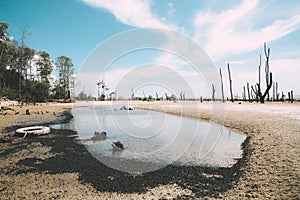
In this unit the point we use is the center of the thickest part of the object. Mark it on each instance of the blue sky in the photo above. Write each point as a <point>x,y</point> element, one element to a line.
<point>229,31</point>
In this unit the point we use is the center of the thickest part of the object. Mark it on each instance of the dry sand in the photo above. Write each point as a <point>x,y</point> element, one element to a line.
<point>57,166</point>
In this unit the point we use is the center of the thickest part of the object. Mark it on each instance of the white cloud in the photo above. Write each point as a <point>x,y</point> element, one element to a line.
<point>171,10</point>
<point>284,71</point>
<point>236,31</point>
<point>136,13</point>
<point>233,31</point>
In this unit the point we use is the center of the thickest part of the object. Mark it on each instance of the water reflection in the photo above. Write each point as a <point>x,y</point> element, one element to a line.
<point>155,137</point>
<point>117,152</point>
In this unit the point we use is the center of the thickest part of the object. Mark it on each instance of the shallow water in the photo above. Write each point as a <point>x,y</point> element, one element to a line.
<point>156,137</point>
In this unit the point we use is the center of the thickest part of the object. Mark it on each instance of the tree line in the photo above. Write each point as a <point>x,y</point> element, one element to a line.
<point>26,74</point>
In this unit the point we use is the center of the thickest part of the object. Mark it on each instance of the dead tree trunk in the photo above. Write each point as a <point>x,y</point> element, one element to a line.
<point>276,91</point>
<point>259,78</point>
<point>244,93</point>
<point>230,83</point>
<point>269,79</point>
<point>292,96</point>
<point>255,92</point>
<point>262,97</point>
<point>222,88</point>
<point>213,92</point>
<point>267,68</point>
<point>249,95</point>
<point>132,94</point>
<point>167,98</point>
<point>252,94</point>
<point>144,94</point>
<point>282,96</point>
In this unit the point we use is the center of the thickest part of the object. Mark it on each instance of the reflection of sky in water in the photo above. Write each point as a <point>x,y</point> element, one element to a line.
<point>157,137</point>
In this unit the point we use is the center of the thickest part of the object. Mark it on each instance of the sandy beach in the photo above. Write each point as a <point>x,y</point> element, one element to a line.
<point>57,166</point>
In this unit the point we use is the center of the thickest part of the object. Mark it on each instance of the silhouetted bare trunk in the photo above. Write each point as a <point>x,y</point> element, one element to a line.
<point>230,83</point>
<point>276,90</point>
<point>249,95</point>
<point>244,93</point>
<point>267,68</point>
<point>269,79</point>
<point>222,88</point>
<point>213,92</point>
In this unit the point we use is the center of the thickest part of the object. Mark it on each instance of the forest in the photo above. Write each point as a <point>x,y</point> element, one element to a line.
<point>26,74</point>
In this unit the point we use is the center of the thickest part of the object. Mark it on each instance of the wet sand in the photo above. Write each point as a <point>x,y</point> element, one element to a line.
<point>57,166</point>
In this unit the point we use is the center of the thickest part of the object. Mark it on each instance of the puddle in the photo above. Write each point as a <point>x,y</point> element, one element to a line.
<point>155,137</point>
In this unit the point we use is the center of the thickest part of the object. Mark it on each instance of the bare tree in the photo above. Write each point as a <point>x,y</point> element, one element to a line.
<point>248,89</point>
<point>213,92</point>
<point>167,97</point>
<point>255,91</point>
<point>267,68</point>
<point>282,96</point>
<point>144,94</point>
<point>22,64</point>
<point>182,95</point>
<point>132,94</point>
<point>230,83</point>
<point>276,91</point>
<point>244,93</point>
<point>269,79</point>
<point>222,88</point>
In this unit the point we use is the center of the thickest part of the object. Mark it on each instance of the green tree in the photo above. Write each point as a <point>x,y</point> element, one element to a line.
<point>4,26</point>
<point>66,77</point>
<point>44,66</point>
<point>82,96</point>
<point>28,58</point>
<point>8,55</point>
<point>24,55</point>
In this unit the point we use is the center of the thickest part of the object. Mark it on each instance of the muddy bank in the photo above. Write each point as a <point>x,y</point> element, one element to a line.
<point>57,165</point>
